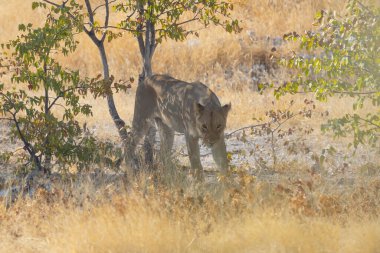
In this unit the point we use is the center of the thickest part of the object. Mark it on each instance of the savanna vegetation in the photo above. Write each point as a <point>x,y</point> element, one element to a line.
<point>302,136</point>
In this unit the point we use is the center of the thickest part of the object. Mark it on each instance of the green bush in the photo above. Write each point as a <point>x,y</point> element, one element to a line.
<point>342,59</point>
<point>44,101</point>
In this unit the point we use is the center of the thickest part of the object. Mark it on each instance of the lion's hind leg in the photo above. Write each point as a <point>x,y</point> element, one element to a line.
<point>145,106</point>
<point>166,142</point>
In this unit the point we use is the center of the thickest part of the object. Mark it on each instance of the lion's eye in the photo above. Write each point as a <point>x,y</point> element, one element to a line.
<point>219,126</point>
<point>204,127</point>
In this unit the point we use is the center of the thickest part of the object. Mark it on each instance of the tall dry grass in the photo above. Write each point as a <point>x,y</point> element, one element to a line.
<point>242,216</point>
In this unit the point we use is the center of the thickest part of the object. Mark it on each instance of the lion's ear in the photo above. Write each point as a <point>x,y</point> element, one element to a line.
<point>226,108</point>
<point>199,108</point>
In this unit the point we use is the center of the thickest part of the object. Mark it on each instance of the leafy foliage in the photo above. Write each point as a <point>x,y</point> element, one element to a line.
<point>151,21</point>
<point>342,59</point>
<point>45,101</point>
<point>168,16</point>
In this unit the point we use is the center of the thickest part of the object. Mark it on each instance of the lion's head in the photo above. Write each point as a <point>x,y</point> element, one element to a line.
<point>211,122</point>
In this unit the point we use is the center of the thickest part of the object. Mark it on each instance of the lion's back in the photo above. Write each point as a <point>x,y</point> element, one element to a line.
<point>165,85</point>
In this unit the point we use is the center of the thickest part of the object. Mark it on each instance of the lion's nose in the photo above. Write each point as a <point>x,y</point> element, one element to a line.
<point>212,142</point>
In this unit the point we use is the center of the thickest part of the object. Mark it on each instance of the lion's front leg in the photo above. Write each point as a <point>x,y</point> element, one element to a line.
<point>167,139</point>
<point>219,154</point>
<point>194,155</point>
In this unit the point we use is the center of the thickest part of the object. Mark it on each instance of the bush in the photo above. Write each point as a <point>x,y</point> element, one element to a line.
<point>44,102</point>
<point>342,59</point>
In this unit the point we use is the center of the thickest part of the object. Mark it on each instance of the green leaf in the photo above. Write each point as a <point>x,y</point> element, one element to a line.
<point>348,66</point>
<point>35,5</point>
<point>21,27</point>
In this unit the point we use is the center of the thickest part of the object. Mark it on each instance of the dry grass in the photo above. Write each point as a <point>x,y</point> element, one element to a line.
<point>245,217</point>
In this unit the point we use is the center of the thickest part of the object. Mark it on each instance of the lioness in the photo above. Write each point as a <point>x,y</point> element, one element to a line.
<point>178,106</point>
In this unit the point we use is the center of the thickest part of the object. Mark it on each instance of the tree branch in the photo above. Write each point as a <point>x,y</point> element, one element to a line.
<point>244,128</point>
<point>342,92</point>
<point>106,19</point>
<point>266,123</point>
<point>62,93</point>
<point>118,28</point>
<point>152,40</point>
<point>140,38</point>
<point>195,17</point>
<point>89,11</point>
<point>60,6</point>
<point>91,32</point>
<point>53,3</point>
<point>283,122</point>
<point>130,15</point>
<point>103,5</point>
<point>174,4</point>
<point>10,119</point>
<point>370,122</point>
<point>27,145</point>
<point>355,92</point>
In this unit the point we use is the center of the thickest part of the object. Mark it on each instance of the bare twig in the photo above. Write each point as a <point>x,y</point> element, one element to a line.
<point>370,122</point>
<point>117,28</point>
<point>53,3</point>
<point>103,5</point>
<point>283,122</point>
<point>355,92</point>
<point>6,119</point>
<point>195,17</point>
<point>62,93</point>
<point>130,15</point>
<point>244,128</point>
<point>343,92</point>
<point>60,6</point>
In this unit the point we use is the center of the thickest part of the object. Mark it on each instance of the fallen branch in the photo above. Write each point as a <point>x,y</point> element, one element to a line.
<point>243,128</point>
<point>9,119</point>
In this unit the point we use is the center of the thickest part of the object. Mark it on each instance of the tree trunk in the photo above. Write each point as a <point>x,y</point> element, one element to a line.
<point>120,124</point>
<point>47,151</point>
<point>148,51</point>
<point>150,138</point>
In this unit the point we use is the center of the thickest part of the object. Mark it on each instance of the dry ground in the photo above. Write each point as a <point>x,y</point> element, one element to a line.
<point>299,205</point>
